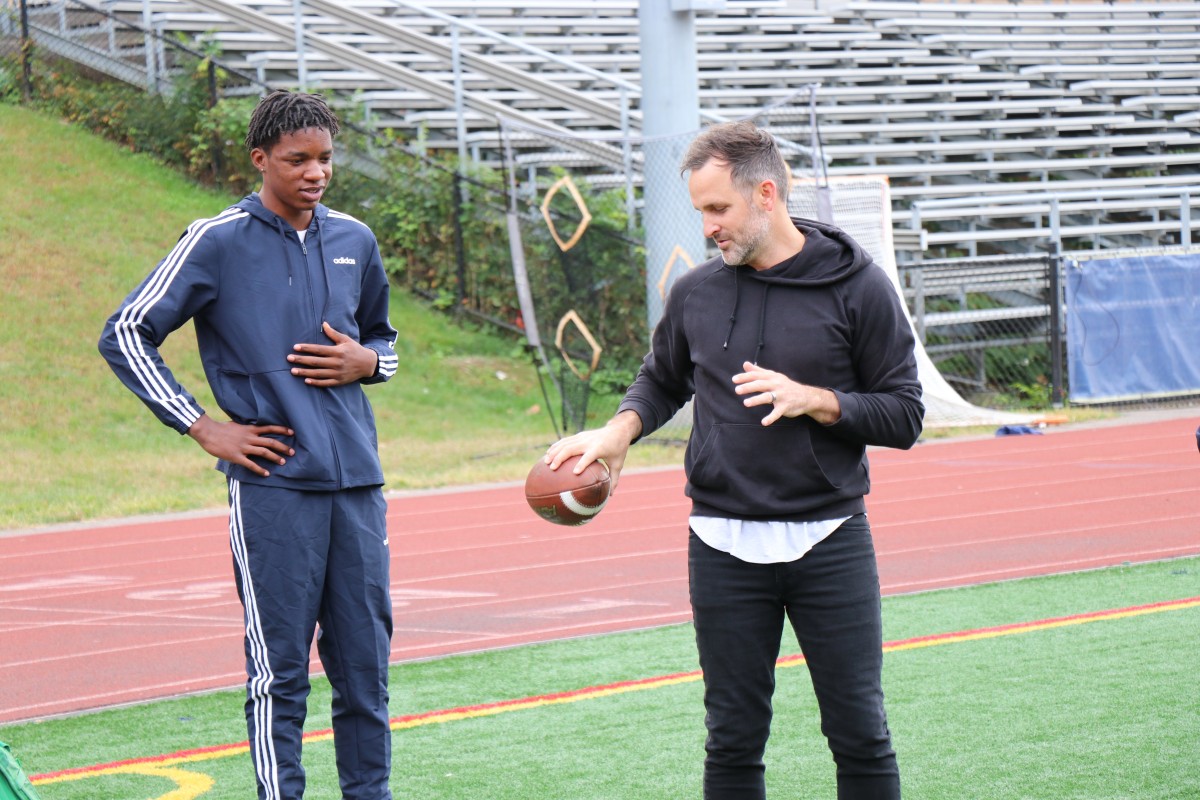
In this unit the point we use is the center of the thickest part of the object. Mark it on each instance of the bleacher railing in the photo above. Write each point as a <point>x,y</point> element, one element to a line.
<point>1164,210</point>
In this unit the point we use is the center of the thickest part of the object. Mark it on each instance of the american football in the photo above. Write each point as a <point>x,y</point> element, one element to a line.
<point>564,498</point>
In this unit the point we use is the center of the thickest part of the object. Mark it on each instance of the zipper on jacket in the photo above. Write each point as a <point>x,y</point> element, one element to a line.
<point>333,450</point>
<point>312,303</point>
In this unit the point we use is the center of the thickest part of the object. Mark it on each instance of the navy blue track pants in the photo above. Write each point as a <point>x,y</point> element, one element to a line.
<point>831,597</point>
<point>303,559</point>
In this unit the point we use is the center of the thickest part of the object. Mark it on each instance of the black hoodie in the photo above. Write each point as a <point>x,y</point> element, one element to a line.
<point>827,317</point>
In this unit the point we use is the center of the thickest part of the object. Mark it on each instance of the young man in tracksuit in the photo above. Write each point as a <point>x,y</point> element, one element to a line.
<point>797,353</point>
<point>290,305</point>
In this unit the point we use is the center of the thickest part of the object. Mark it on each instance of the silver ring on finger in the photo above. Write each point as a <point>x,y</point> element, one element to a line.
<point>772,398</point>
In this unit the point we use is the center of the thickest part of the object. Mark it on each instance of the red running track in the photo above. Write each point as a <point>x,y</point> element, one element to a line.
<point>93,616</point>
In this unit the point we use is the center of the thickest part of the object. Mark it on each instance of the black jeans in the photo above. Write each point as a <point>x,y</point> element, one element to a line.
<point>831,597</point>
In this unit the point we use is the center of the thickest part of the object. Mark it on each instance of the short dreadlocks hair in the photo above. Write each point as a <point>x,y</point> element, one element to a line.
<point>284,112</point>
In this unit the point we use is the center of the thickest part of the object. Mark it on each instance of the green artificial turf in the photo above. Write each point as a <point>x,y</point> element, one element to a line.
<point>1101,709</point>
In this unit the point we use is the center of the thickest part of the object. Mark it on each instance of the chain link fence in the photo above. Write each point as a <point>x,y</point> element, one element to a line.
<point>992,327</point>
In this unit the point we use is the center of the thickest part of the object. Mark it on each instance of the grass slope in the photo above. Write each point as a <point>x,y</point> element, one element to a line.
<point>82,224</point>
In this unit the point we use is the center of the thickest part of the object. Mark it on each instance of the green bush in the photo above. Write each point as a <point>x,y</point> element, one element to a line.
<point>10,80</point>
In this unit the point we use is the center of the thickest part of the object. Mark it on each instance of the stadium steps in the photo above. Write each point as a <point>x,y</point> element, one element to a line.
<point>941,97</point>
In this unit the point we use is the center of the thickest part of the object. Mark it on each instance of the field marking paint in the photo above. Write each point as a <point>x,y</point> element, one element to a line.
<point>189,783</point>
<point>193,592</point>
<point>78,581</point>
<point>585,605</point>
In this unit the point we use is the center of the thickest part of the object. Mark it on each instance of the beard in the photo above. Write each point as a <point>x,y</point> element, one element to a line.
<point>750,240</point>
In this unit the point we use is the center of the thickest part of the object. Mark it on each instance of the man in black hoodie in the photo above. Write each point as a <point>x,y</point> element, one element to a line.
<point>796,351</point>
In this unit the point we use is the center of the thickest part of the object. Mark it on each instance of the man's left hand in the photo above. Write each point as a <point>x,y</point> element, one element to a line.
<point>345,361</point>
<point>786,397</point>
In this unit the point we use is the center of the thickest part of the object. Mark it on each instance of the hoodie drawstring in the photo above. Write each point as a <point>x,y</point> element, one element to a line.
<point>762,316</point>
<point>762,324</point>
<point>732,311</point>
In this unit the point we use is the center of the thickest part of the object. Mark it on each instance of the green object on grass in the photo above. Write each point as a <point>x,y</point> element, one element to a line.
<point>14,784</point>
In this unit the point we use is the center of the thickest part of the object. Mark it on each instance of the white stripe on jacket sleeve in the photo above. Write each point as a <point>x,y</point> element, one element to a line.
<point>133,346</point>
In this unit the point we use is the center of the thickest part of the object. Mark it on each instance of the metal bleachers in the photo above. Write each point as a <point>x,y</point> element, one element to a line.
<point>946,99</point>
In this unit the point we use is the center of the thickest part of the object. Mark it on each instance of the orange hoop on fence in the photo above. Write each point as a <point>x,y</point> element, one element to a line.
<point>566,181</point>
<point>678,254</point>
<point>573,318</point>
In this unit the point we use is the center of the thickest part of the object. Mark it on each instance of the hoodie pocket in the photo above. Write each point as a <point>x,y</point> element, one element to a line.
<point>235,395</point>
<point>761,470</point>
<point>266,398</point>
<point>279,398</point>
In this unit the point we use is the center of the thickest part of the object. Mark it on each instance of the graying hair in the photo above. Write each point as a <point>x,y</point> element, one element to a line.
<point>751,153</point>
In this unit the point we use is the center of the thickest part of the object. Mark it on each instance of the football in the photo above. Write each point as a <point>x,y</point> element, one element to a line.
<point>564,498</point>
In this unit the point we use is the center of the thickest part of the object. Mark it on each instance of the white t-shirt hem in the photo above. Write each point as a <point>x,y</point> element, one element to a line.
<point>763,542</point>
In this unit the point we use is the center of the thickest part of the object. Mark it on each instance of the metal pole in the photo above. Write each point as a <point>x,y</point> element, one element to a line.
<point>670,117</point>
<point>627,161</point>
<point>1055,227</point>
<point>460,104</point>
<point>301,66</point>
<point>26,50</point>
<point>1185,219</point>
<point>824,193</point>
<point>148,44</point>
<point>460,256</point>
<point>516,248</point>
<point>919,302</point>
<point>161,73</point>
<point>1054,265</point>
<point>218,162</point>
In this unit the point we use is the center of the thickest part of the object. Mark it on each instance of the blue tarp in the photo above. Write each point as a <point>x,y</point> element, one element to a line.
<point>1133,327</point>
